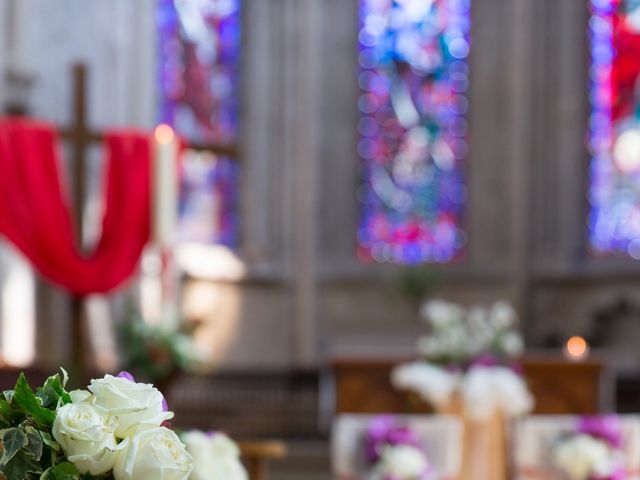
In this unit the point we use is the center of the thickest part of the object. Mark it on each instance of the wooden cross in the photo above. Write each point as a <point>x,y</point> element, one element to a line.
<point>79,136</point>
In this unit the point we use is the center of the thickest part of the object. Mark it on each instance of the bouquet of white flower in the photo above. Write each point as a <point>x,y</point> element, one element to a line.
<point>116,429</point>
<point>459,335</point>
<point>470,355</point>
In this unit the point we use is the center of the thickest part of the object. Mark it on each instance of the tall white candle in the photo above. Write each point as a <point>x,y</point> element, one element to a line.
<point>165,186</point>
<point>165,219</point>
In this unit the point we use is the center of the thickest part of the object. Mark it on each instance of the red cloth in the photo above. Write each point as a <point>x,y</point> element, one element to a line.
<point>626,66</point>
<point>34,211</point>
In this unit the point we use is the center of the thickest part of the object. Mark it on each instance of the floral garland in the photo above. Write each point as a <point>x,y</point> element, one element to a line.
<point>395,452</point>
<point>470,353</point>
<point>593,451</point>
<point>116,429</point>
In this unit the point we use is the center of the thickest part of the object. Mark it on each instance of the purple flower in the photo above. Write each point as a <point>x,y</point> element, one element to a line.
<point>604,427</point>
<point>127,376</point>
<point>385,431</point>
<point>485,360</point>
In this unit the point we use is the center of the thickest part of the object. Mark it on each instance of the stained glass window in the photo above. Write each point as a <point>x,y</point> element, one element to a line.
<point>614,127</point>
<point>199,59</point>
<point>413,77</point>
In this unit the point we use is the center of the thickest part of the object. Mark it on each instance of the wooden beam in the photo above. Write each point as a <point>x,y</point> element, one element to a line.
<point>90,136</point>
<point>79,141</point>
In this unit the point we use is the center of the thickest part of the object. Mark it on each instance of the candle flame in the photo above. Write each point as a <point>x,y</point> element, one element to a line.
<point>164,134</point>
<point>577,347</point>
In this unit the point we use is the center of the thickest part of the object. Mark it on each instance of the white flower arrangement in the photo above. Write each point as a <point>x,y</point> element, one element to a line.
<point>395,452</point>
<point>215,456</point>
<point>593,451</point>
<point>583,457</point>
<point>114,430</point>
<point>468,354</point>
<point>401,462</point>
<point>460,334</point>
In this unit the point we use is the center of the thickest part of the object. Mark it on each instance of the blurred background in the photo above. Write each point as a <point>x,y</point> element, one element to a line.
<point>351,159</point>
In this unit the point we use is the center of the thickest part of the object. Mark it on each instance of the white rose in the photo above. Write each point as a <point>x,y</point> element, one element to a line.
<point>582,456</point>
<point>512,344</point>
<point>503,315</point>
<point>214,456</point>
<point>153,454</point>
<point>441,313</point>
<point>80,396</point>
<point>402,462</point>
<point>487,390</point>
<point>132,405</point>
<point>86,438</point>
<point>434,384</point>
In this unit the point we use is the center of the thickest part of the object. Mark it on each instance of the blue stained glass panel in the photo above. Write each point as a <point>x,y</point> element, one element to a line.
<point>614,128</point>
<point>199,58</point>
<point>199,48</point>
<point>413,78</point>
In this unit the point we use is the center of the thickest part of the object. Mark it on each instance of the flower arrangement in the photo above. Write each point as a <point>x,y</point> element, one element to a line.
<point>394,452</point>
<point>155,352</point>
<point>116,429</point>
<point>592,452</point>
<point>470,353</point>
<point>215,455</point>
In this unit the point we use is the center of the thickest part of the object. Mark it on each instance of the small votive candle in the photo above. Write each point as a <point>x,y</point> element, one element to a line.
<point>576,349</point>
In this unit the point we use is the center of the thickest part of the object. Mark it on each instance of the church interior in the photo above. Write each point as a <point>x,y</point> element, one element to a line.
<point>363,239</point>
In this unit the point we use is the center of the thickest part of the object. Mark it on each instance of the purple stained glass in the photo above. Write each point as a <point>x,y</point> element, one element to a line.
<point>208,198</point>
<point>413,80</point>
<point>199,50</point>
<point>199,57</point>
<point>614,128</point>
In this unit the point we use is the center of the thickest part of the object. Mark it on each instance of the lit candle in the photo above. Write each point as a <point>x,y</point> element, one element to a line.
<point>165,182</point>
<point>576,349</point>
<point>162,281</point>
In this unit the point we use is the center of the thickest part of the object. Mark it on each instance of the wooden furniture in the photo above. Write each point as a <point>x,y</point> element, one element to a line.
<point>257,455</point>
<point>363,385</point>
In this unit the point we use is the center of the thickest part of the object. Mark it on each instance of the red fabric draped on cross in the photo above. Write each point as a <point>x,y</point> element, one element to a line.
<point>34,211</point>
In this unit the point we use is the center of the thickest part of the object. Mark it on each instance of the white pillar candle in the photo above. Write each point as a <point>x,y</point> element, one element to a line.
<point>165,186</point>
<point>164,283</point>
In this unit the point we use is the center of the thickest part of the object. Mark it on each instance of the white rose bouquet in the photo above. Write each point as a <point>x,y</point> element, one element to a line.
<point>114,430</point>
<point>470,353</point>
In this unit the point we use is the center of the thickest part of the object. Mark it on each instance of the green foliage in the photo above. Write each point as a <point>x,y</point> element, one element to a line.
<point>416,282</point>
<point>28,451</point>
<point>155,353</point>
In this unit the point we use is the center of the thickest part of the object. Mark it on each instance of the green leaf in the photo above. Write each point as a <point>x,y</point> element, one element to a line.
<point>8,395</point>
<point>6,414</point>
<point>13,440</point>
<point>52,391</point>
<point>49,441</point>
<point>63,471</point>
<point>35,443</point>
<point>27,400</point>
<point>22,466</point>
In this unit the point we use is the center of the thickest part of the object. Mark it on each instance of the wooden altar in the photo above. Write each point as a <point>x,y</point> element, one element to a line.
<point>363,385</point>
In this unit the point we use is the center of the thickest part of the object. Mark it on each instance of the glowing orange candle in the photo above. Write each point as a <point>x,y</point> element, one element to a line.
<point>576,348</point>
